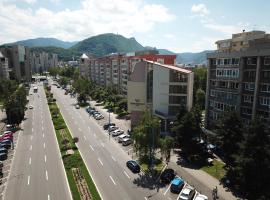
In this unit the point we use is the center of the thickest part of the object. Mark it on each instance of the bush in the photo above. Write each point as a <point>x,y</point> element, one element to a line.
<point>75,139</point>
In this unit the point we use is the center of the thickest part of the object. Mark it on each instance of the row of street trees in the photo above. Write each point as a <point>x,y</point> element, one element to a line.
<point>14,100</point>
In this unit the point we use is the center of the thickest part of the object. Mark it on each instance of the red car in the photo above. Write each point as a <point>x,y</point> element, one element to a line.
<point>6,138</point>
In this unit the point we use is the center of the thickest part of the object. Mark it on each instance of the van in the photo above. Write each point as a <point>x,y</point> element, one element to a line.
<point>126,141</point>
<point>3,156</point>
<point>177,185</point>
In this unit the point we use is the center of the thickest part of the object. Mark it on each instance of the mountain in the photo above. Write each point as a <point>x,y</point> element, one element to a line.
<point>107,43</point>
<point>192,58</point>
<point>44,42</point>
<point>165,52</point>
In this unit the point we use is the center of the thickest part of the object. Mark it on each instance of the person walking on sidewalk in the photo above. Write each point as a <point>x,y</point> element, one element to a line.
<point>214,193</point>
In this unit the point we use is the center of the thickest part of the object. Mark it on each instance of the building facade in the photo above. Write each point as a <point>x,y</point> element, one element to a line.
<point>239,77</point>
<point>18,62</point>
<point>161,88</point>
<point>41,62</point>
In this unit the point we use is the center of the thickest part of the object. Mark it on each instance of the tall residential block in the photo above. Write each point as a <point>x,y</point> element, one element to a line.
<point>4,73</point>
<point>239,77</point>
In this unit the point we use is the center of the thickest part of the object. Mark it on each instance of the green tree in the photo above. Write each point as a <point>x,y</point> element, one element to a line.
<point>166,144</point>
<point>146,136</point>
<point>250,174</point>
<point>200,98</point>
<point>230,134</point>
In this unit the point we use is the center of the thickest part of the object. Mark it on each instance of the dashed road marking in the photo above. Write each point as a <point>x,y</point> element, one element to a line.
<point>30,161</point>
<point>43,135</point>
<point>112,180</point>
<point>95,135</point>
<point>30,148</point>
<point>32,129</point>
<point>42,128</point>
<point>113,158</point>
<point>45,158</point>
<point>47,175</point>
<point>167,189</point>
<point>48,197</point>
<point>100,161</point>
<point>126,174</point>
<point>31,138</point>
<point>102,144</point>
<point>84,137</point>
<point>28,180</point>
<point>44,145</point>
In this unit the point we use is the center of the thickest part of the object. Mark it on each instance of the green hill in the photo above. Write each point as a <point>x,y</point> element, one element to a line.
<point>107,43</point>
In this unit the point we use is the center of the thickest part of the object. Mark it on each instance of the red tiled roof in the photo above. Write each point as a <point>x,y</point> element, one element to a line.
<point>170,67</point>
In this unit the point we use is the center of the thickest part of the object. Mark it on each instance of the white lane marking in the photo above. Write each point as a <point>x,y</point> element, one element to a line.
<point>42,128</point>
<point>95,135</point>
<point>91,147</point>
<point>80,129</point>
<point>48,197</point>
<point>145,198</point>
<point>47,175</point>
<point>30,148</point>
<point>84,137</point>
<point>89,128</point>
<point>28,180</point>
<point>112,180</point>
<point>126,174</point>
<point>43,135</point>
<point>41,121</point>
<point>102,144</point>
<point>100,161</point>
<point>31,137</point>
<point>30,161</point>
<point>32,129</point>
<point>45,158</point>
<point>44,145</point>
<point>167,189</point>
<point>113,159</point>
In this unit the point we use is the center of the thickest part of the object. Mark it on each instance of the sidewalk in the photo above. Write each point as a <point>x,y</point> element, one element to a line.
<point>2,117</point>
<point>203,182</point>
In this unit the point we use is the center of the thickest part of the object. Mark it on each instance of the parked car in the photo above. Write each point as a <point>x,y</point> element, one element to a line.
<point>199,196</point>
<point>187,193</point>
<point>106,126</point>
<point>177,185</point>
<point>112,128</point>
<point>121,137</point>
<point>167,175</point>
<point>1,165</point>
<point>126,141</point>
<point>10,127</point>
<point>6,144</point>
<point>117,132</point>
<point>98,116</point>
<point>3,156</point>
<point>3,150</point>
<point>6,137</point>
<point>133,166</point>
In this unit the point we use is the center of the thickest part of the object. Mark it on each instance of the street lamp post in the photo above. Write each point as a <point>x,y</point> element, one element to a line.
<point>109,123</point>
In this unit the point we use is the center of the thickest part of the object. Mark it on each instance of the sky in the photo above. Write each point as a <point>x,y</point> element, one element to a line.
<point>176,25</point>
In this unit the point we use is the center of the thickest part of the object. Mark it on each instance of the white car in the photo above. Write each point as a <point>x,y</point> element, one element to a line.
<point>200,197</point>
<point>187,193</point>
<point>126,141</point>
<point>121,137</point>
<point>117,132</point>
<point>77,106</point>
<point>31,107</point>
<point>112,128</point>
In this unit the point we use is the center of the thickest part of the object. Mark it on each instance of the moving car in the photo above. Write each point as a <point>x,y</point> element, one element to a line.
<point>187,193</point>
<point>133,166</point>
<point>167,175</point>
<point>31,107</point>
<point>121,137</point>
<point>117,132</point>
<point>107,125</point>
<point>77,106</point>
<point>177,185</point>
<point>126,141</point>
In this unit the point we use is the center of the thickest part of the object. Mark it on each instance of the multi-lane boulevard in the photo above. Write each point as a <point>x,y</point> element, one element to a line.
<point>37,171</point>
<point>104,158</point>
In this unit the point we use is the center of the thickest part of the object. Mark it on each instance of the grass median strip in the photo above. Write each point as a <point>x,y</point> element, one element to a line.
<point>70,154</point>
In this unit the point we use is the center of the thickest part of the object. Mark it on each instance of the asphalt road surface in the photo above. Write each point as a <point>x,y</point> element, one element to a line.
<point>37,171</point>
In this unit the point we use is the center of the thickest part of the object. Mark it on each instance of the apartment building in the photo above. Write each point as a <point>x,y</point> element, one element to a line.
<point>161,88</point>
<point>41,62</point>
<point>239,77</point>
<point>4,73</point>
<point>18,62</point>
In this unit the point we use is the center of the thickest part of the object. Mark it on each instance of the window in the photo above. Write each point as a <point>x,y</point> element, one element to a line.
<point>249,86</point>
<point>211,103</point>
<point>176,76</point>
<point>230,73</point>
<point>246,111</point>
<point>264,101</point>
<point>178,89</point>
<point>267,61</point>
<point>265,88</point>
<point>235,61</point>
<point>248,98</point>
<point>265,74</point>
<point>252,61</point>
<point>177,100</point>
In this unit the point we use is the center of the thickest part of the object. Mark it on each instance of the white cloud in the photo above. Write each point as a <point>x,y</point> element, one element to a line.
<point>94,17</point>
<point>227,29</point>
<point>205,43</point>
<point>200,9</point>
<point>170,36</point>
<point>30,1</point>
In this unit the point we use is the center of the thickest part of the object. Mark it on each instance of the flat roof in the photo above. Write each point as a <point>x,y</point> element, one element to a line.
<point>170,67</point>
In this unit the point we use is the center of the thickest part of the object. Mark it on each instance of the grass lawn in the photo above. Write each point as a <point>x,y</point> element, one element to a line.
<point>216,170</point>
<point>145,165</point>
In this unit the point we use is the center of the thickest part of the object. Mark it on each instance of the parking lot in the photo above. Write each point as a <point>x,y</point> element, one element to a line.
<point>7,162</point>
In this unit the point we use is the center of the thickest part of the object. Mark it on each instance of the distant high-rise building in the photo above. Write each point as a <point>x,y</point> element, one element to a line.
<point>43,61</point>
<point>239,77</point>
<point>4,74</point>
<point>18,62</point>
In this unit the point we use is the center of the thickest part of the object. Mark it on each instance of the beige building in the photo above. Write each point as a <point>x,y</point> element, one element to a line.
<point>239,77</point>
<point>161,88</point>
